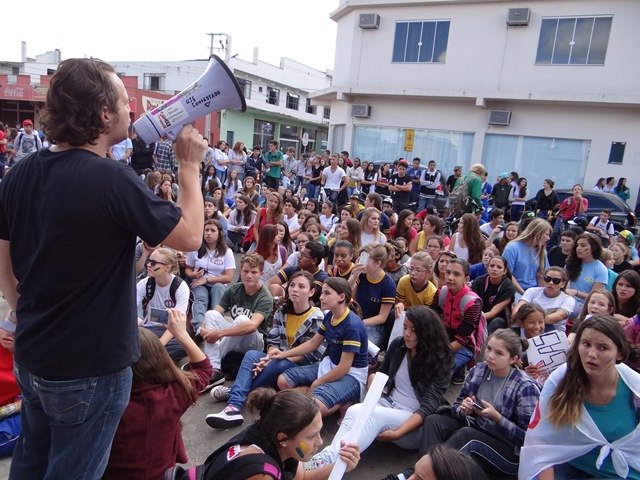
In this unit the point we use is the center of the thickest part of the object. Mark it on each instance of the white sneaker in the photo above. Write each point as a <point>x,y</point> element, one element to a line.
<point>228,418</point>
<point>220,393</point>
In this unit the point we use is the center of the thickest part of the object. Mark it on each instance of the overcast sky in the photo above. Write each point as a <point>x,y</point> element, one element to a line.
<point>120,30</point>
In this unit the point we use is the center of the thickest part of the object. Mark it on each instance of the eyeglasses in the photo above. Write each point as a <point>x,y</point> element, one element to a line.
<point>153,263</point>
<point>301,242</point>
<point>554,280</point>
<point>302,254</point>
<point>417,270</point>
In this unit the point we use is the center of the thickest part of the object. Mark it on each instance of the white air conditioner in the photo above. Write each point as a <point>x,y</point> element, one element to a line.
<point>499,117</point>
<point>518,17</point>
<point>368,21</point>
<point>361,111</point>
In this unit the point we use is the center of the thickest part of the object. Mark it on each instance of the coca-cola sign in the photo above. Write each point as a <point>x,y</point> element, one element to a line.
<point>16,92</point>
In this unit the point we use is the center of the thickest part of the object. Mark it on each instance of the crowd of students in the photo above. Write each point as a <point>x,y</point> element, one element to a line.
<point>324,285</point>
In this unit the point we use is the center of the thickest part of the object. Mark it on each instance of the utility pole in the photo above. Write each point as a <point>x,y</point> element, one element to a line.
<point>220,42</point>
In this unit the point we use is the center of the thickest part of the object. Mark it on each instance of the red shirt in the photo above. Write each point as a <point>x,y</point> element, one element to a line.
<point>569,208</point>
<point>9,390</point>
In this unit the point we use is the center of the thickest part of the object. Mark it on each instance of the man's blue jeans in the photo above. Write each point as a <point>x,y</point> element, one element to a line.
<point>461,358</point>
<point>68,426</point>
<point>245,382</point>
<point>205,297</point>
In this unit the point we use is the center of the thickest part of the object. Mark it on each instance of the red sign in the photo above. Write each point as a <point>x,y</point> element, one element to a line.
<point>14,91</point>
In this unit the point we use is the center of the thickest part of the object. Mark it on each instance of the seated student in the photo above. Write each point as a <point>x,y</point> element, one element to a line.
<point>343,255</point>
<point>602,227</point>
<point>342,374</point>
<point>620,257</point>
<point>419,368</point>
<point>440,267</point>
<point>403,228</point>
<point>626,293</point>
<point>10,419</point>
<point>374,290</point>
<point>461,312</point>
<point>149,438</point>
<point>387,209</point>
<point>416,287</point>
<point>599,302</point>
<point>529,323</point>
<point>556,303</point>
<point>309,260</point>
<point>396,267</point>
<point>160,290</point>
<point>371,227</point>
<point>585,270</point>
<point>496,292</point>
<point>627,238</point>
<point>328,217</point>
<point>240,219</point>
<point>291,208</point>
<point>494,228</point>
<point>586,424</point>
<point>293,324</point>
<point>443,463</point>
<point>489,418</point>
<point>349,230</point>
<point>286,434</point>
<point>558,253</point>
<point>478,269</point>
<point>511,232</point>
<point>249,304</point>
<point>375,200</point>
<point>211,269</point>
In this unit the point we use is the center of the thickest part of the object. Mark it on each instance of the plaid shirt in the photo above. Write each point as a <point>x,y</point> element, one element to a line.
<point>277,335</point>
<point>519,399</point>
<point>165,158</point>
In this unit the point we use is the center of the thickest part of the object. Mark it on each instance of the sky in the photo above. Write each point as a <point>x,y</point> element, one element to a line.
<point>163,30</point>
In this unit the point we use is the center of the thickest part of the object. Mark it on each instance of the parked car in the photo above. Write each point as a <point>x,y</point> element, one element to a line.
<point>622,216</point>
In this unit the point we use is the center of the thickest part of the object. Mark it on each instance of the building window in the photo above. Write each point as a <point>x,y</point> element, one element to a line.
<point>263,131</point>
<point>293,101</point>
<point>273,95</point>
<point>153,81</point>
<point>310,108</point>
<point>290,132</point>
<point>245,86</point>
<point>567,158</point>
<point>379,144</point>
<point>573,41</point>
<point>327,113</point>
<point>421,42</point>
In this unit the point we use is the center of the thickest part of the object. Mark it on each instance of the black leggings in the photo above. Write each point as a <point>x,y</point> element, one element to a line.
<point>495,455</point>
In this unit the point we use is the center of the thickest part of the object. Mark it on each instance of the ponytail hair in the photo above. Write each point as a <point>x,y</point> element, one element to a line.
<point>286,412</point>
<point>341,287</point>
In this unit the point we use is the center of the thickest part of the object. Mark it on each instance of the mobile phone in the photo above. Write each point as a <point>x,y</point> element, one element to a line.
<point>502,228</point>
<point>364,258</point>
<point>477,405</point>
<point>158,315</point>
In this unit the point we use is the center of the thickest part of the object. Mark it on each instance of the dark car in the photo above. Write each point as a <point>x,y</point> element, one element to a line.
<point>622,216</point>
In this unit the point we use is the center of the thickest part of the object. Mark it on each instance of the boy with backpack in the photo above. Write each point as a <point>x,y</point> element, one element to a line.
<point>26,142</point>
<point>602,227</point>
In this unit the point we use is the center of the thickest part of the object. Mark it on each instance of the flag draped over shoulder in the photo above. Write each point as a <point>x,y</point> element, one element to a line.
<point>546,445</point>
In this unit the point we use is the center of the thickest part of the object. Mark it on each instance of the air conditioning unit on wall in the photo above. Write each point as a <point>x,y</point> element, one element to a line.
<point>361,111</point>
<point>368,21</point>
<point>500,117</point>
<point>518,17</point>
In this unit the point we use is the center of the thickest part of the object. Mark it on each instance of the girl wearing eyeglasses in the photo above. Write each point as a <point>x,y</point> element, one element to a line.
<point>556,303</point>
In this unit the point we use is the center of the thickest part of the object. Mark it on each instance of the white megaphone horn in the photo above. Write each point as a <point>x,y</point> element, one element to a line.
<point>215,90</point>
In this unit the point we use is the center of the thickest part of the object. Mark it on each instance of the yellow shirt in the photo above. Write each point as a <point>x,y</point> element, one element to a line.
<point>293,323</point>
<point>407,295</point>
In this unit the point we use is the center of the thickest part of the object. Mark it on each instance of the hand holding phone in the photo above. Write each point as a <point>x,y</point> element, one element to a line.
<point>364,258</point>
<point>478,404</point>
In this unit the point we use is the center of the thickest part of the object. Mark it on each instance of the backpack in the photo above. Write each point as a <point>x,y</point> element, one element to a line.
<point>150,290</point>
<point>459,200</point>
<point>254,464</point>
<point>480,335</point>
<point>18,141</point>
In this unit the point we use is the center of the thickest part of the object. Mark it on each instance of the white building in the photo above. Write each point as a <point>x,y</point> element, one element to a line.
<point>278,104</point>
<point>565,71</point>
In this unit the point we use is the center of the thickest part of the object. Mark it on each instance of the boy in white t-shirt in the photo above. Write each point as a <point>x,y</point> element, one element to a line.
<point>602,227</point>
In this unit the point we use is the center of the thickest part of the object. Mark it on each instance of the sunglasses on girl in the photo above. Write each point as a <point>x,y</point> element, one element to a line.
<point>153,263</point>
<point>554,280</point>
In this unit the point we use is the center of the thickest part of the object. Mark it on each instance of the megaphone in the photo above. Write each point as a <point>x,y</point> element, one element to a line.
<point>216,89</point>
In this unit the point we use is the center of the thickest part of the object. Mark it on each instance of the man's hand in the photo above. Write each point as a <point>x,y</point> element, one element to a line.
<point>189,147</point>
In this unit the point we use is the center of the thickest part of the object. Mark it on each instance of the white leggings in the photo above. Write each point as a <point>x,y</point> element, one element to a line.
<point>242,343</point>
<point>382,418</point>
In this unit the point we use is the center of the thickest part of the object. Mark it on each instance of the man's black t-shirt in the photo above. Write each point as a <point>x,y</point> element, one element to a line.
<point>401,197</point>
<point>72,219</point>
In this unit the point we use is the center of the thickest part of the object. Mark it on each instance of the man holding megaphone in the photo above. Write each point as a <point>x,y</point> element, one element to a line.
<point>69,218</point>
